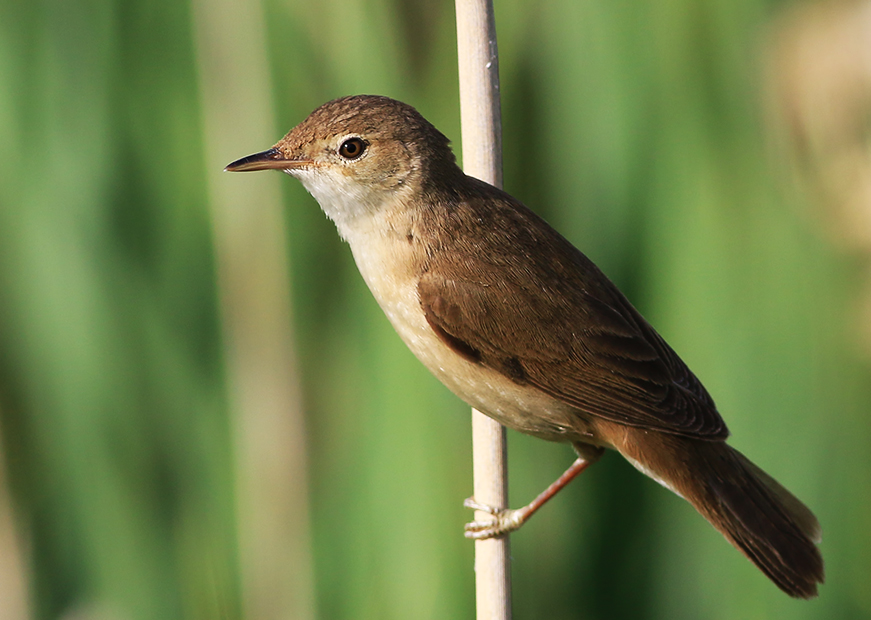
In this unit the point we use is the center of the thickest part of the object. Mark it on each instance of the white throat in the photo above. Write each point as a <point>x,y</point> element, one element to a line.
<point>350,204</point>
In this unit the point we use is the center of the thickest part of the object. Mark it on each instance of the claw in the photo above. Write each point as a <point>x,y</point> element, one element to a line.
<point>470,502</point>
<point>504,521</point>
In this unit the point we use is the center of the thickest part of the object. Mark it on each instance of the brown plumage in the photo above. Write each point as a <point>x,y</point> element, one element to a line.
<point>521,325</point>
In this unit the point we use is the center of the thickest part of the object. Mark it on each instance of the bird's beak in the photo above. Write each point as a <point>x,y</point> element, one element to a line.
<point>273,159</point>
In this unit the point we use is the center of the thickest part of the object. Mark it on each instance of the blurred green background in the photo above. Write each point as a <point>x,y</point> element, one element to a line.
<point>205,415</point>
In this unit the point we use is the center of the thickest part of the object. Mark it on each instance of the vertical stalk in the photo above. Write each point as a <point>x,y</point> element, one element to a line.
<point>481,120</point>
<point>253,285</point>
<point>14,584</point>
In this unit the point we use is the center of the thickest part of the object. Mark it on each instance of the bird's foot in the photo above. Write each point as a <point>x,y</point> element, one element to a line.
<point>503,521</point>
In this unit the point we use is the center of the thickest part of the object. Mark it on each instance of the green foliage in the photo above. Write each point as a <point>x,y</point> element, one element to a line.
<point>634,127</point>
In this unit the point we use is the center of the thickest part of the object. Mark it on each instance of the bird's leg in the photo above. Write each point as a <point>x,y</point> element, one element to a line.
<point>506,520</point>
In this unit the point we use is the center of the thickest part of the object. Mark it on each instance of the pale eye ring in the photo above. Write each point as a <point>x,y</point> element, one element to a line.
<point>352,148</point>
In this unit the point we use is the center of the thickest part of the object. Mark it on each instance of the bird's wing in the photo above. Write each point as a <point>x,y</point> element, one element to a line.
<point>533,307</point>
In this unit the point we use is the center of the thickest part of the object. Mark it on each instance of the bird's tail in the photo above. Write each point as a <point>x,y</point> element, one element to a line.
<point>764,521</point>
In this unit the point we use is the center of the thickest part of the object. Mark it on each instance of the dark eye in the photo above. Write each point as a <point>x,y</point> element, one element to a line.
<point>352,148</point>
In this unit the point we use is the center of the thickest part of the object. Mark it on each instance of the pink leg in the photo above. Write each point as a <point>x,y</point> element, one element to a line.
<point>505,521</point>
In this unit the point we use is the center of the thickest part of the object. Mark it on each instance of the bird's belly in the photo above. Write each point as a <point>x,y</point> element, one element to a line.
<point>521,407</point>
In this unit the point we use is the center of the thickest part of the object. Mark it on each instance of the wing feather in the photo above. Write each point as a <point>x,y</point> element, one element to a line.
<point>548,317</point>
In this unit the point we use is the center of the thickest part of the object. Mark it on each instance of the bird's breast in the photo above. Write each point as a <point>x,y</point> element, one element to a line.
<point>391,262</point>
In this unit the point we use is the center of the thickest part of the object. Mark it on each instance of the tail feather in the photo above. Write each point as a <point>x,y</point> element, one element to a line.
<point>763,520</point>
<point>804,518</point>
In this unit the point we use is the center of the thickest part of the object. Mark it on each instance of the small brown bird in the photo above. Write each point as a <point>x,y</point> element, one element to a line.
<point>522,326</point>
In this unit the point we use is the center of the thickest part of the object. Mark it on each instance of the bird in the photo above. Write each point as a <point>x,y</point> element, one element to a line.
<point>521,325</point>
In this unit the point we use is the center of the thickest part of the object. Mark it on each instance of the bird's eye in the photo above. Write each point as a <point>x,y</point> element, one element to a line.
<point>352,148</point>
